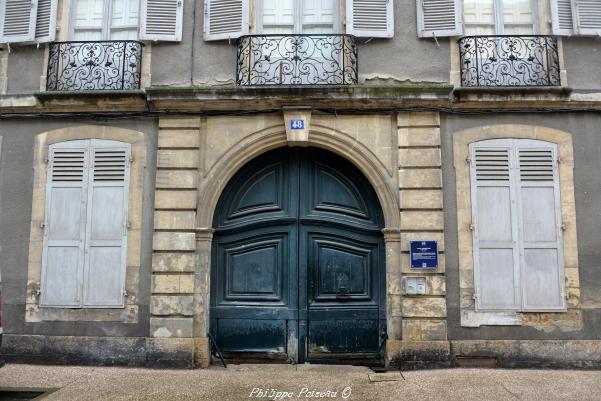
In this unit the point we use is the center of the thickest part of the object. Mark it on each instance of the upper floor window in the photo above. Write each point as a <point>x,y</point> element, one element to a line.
<point>105,20</point>
<point>230,19</point>
<point>499,17</point>
<point>85,224</point>
<point>24,21</point>
<point>298,16</point>
<point>517,225</point>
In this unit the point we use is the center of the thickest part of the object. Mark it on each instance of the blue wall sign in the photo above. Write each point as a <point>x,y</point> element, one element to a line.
<point>423,254</point>
<point>297,124</point>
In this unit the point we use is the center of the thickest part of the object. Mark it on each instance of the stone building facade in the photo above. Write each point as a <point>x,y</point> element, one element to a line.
<point>137,140</point>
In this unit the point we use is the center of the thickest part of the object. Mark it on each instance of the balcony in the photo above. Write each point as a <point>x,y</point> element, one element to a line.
<point>297,60</point>
<point>94,66</point>
<point>509,61</point>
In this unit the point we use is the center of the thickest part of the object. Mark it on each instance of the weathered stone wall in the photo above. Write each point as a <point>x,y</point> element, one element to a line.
<point>174,261</point>
<point>424,326</point>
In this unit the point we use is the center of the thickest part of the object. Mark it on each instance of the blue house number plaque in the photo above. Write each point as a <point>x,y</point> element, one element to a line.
<point>423,254</point>
<point>297,124</point>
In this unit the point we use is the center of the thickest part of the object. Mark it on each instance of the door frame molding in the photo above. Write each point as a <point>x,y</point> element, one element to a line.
<point>212,183</point>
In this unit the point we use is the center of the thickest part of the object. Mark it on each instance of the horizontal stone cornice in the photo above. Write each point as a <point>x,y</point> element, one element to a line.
<point>158,101</point>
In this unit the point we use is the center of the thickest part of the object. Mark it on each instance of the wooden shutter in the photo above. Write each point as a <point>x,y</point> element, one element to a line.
<point>436,18</point>
<point>161,20</point>
<point>106,231</point>
<point>540,226</point>
<point>225,19</point>
<point>588,17</point>
<point>17,20</point>
<point>495,248</point>
<point>562,17</point>
<point>370,18</point>
<point>45,27</point>
<point>64,225</point>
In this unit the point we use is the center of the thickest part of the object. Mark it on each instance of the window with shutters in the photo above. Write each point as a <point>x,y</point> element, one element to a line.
<point>499,17</point>
<point>85,224</point>
<point>576,17</point>
<point>27,21</point>
<point>230,19</point>
<point>294,16</point>
<point>104,19</point>
<point>517,227</point>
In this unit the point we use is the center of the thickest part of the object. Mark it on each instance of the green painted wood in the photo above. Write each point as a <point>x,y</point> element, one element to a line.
<point>298,261</point>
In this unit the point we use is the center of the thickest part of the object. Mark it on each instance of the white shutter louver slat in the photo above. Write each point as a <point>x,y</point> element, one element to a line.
<point>225,19</point>
<point>562,17</point>
<point>45,28</point>
<point>496,267</point>
<point>536,164</point>
<point>492,164</point>
<point>370,18</point>
<point>17,21</point>
<point>109,165</point>
<point>588,17</point>
<point>68,166</point>
<point>161,20</point>
<point>438,18</point>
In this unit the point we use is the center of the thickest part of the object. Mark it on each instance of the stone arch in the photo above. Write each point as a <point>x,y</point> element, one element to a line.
<point>213,181</point>
<point>270,138</point>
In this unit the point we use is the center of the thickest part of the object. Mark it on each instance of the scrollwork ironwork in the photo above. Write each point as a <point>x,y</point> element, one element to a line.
<point>94,65</point>
<point>508,61</point>
<point>297,60</point>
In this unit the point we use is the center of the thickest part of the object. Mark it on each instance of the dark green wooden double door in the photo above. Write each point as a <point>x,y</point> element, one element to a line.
<point>298,261</point>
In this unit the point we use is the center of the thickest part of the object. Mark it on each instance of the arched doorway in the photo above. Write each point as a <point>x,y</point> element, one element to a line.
<point>298,265</point>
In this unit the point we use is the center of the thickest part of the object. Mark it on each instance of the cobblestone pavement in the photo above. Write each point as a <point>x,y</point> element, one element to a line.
<point>302,382</point>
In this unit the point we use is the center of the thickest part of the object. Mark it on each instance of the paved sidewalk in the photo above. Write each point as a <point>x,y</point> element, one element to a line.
<point>303,382</point>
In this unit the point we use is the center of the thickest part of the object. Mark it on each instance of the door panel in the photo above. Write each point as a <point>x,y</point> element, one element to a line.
<point>344,291</point>
<point>254,289</point>
<point>298,261</point>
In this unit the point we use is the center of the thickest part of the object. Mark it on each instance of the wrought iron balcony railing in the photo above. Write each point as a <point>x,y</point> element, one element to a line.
<point>91,66</point>
<point>297,60</point>
<point>509,61</point>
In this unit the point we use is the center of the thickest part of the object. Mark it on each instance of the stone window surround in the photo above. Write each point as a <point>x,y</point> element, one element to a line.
<point>572,318</point>
<point>128,314</point>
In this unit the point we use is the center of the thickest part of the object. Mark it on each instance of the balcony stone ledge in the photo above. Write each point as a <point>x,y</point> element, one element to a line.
<point>277,96</point>
<point>511,93</point>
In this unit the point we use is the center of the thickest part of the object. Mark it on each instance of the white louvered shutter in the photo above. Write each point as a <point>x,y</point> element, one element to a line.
<point>562,17</point>
<point>370,18</point>
<point>495,248</point>
<point>225,19</point>
<point>64,225</point>
<point>437,18</point>
<point>45,28</point>
<point>588,17</point>
<point>106,228</point>
<point>161,20</point>
<point>540,226</point>
<point>17,20</point>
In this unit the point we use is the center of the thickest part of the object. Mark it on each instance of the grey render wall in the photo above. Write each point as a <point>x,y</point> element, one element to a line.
<point>404,57</point>
<point>16,186</point>
<point>25,67</point>
<point>586,131</point>
<point>583,62</point>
